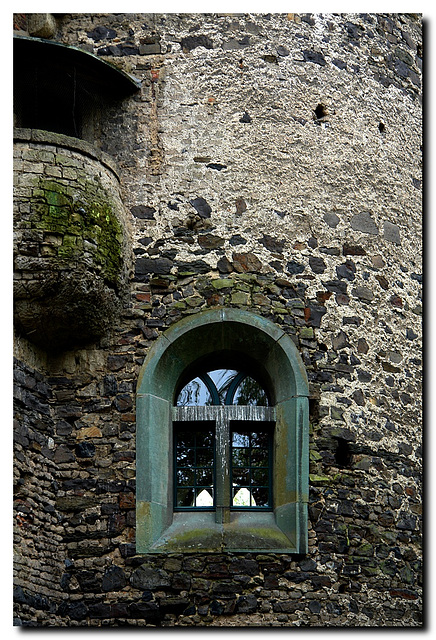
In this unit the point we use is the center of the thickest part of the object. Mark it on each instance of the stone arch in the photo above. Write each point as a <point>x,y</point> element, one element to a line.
<point>222,333</point>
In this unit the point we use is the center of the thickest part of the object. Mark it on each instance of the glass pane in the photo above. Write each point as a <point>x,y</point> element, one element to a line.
<point>204,457</point>
<point>204,477</point>
<point>259,457</point>
<point>204,439</point>
<point>241,477</point>
<point>204,498</point>
<point>185,439</point>
<point>185,497</point>
<point>259,477</point>
<point>260,439</point>
<point>241,497</point>
<point>240,457</point>
<point>222,378</point>
<point>240,439</point>
<point>231,387</point>
<point>185,457</point>
<point>185,477</point>
<point>260,496</point>
<point>249,392</point>
<point>195,393</point>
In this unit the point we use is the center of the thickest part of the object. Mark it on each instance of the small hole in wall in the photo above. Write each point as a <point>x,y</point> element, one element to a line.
<point>343,454</point>
<point>320,112</point>
<point>381,127</point>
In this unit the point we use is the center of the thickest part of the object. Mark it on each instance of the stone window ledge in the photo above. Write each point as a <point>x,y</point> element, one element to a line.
<point>246,532</point>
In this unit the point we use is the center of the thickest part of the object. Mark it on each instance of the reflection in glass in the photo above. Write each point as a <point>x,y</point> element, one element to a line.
<point>241,457</point>
<point>185,439</point>
<point>240,439</point>
<point>204,439</point>
<point>204,457</point>
<point>222,378</point>
<point>194,394</point>
<point>185,497</point>
<point>259,457</point>
<point>243,498</point>
<point>260,439</point>
<point>204,477</point>
<point>260,476</point>
<point>185,477</point>
<point>260,496</point>
<point>185,457</point>
<point>204,498</point>
<point>222,387</point>
<point>241,477</point>
<point>250,393</point>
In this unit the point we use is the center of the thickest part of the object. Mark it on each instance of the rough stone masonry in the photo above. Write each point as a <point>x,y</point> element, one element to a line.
<point>269,163</point>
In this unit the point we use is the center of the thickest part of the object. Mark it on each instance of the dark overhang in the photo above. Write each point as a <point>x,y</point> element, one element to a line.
<point>55,57</point>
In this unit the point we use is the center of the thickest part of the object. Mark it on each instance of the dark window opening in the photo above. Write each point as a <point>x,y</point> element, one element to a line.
<point>57,102</point>
<point>343,454</point>
<point>63,89</point>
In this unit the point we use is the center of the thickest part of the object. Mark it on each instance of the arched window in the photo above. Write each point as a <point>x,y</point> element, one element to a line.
<point>222,438</point>
<point>222,386</point>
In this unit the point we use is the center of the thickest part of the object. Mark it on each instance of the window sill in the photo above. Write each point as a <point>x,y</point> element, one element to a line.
<point>195,532</point>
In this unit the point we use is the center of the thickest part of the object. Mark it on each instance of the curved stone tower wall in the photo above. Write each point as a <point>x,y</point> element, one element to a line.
<point>270,163</point>
<point>71,241</point>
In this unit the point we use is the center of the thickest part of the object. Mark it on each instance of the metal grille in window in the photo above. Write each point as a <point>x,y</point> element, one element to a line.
<point>251,468</point>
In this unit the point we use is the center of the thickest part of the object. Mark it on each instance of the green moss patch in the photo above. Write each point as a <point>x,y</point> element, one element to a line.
<point>86,222</point>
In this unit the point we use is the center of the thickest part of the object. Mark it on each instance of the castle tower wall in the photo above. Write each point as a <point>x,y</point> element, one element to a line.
<point>270,164</point>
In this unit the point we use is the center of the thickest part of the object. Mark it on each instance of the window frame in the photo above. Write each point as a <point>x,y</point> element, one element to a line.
<point>265,427</point>
<point>222,416</point>
<point>177,424</point>
<point>192,340</point>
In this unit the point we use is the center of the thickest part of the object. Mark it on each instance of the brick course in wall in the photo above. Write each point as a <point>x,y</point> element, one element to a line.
<point>270,163</point>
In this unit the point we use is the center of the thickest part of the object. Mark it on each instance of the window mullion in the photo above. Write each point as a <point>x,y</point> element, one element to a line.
<point>222,440</point>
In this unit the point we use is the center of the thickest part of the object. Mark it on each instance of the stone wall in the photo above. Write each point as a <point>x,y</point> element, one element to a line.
<point>269,163</point>
<point>71,243</point>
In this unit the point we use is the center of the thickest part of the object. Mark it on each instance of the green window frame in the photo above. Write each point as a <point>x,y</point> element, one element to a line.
<point>258,345</point>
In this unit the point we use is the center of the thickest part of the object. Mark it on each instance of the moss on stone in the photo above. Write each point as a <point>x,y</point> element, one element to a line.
<point>319,479</point>
<point>89,218</point>
<point>223,283</point>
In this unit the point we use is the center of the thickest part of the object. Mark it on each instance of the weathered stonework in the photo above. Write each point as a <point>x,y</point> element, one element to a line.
<point>269,163</point>
<point>71,241</point>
